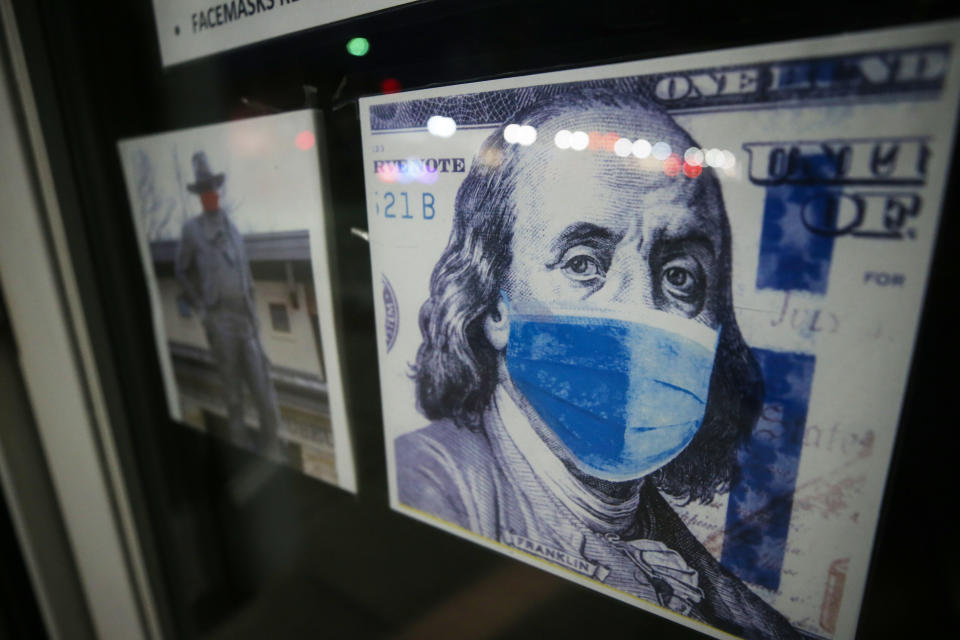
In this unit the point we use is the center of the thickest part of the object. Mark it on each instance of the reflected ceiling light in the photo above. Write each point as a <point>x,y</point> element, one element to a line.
<point>661,150</point>
<point>419,171</point>
<point>729,160</point>
<point>607,141</point>
<point>526,135</point>
<point>406,177</point>
<point>511,133</point>
<point>579,140</point>
<point>441,126</point>
<point>693,156</point>
<point>305,140</point>
<point>622,147</point>
<point>358,46</point>
<point>562,139</point>
<point>692,170</point>
<point>714,157</point>
<point>671,162</point>
<point>641,148</point>
<point>388,172</point>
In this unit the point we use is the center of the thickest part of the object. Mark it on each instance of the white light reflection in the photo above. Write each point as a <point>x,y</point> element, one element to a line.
<point>729,160</point>
<point>693,156</point>
<point>526,136</point>
<point>579,140</point>
<point>562,139</point>
<point>622,147</point>
<point>441,126</point>
<point>511,133</point>
<point>641,148</point>
<point>714,157</point>
<point>661,150</point>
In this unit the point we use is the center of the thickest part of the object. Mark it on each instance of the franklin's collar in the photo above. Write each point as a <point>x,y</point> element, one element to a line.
<point>601,512</point>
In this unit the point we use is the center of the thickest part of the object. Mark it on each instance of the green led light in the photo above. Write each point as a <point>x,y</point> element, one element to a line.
<point>358,46</point>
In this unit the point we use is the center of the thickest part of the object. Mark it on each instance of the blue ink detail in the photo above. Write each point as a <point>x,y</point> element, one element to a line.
<point>792,256</point>
<point>625,398</point>
<point>391,313</point>
<point>827,72</point>
<point>758,512</point>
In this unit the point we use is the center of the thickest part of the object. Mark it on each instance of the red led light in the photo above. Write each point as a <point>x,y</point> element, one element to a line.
<point>671,164</point>
<point>608,140</point>
<point>388,173</point>
<point>390,85</point>
<point>305,140</point>
<point>596,141</point>
<point>692,170</point>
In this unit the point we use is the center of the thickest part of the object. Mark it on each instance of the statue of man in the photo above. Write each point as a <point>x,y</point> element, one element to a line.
<point>212,268</point>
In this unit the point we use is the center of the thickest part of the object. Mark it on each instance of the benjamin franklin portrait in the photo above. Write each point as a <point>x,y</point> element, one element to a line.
<point>581,361</point>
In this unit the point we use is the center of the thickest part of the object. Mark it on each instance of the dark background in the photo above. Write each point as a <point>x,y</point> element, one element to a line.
<point>297,558</point>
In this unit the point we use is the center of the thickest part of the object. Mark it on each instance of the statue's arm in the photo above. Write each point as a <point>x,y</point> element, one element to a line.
<point>185,258</point>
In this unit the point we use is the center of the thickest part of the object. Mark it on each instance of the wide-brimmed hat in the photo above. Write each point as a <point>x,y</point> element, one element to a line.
<point>204,179</point>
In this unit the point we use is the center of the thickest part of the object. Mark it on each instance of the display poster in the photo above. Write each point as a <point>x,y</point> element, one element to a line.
<point>232,225</point>
<point>648,326</point>
<point>188,29</point>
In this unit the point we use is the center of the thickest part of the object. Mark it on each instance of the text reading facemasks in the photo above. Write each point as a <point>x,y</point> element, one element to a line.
<point>624,397</point>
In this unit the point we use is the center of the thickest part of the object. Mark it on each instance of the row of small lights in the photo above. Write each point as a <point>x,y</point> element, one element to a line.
<point>524,135</point>
<point>624,147</point>
<point>691,163</point>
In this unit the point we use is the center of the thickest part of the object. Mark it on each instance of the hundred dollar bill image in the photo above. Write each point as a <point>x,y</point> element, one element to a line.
<point>648,326</point>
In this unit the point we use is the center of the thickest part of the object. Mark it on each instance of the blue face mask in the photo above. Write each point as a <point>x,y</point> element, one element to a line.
<point>623,397</point>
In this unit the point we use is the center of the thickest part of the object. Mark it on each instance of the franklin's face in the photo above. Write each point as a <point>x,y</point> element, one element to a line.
<point>597,232</point>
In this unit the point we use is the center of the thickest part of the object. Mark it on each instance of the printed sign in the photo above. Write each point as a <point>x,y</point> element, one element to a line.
<point>648,326</point>
<point>189,29</point>
<point>231,224</point>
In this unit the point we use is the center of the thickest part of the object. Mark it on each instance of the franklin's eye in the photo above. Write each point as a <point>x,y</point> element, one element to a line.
<point>683,282</point>
<point>679,278</point>
<point>582,267</point>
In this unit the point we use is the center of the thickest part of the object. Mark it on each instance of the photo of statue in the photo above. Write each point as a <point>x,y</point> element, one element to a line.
<point>230,219</point>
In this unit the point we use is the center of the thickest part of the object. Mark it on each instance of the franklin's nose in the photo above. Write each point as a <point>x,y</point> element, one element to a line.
<point>629,281</point>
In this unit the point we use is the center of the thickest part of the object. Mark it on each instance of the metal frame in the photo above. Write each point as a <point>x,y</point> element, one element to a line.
<point>73,455</point>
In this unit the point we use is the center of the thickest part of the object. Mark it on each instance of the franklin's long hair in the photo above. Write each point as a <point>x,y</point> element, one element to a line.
<point>456,367</point>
